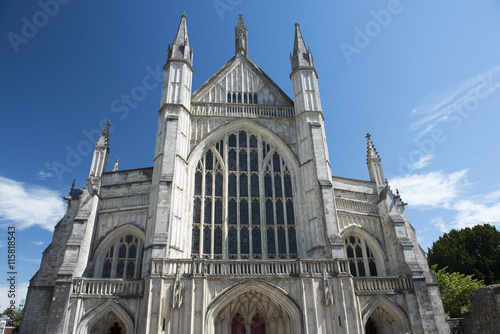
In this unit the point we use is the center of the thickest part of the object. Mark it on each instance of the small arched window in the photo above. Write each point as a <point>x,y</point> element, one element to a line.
<point>360,257</point>
<point>123,258</point>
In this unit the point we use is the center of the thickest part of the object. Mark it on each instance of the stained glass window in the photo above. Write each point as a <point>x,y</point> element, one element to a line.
<point>361,259</point>
<point>126,262</point>
<point>243,201</point>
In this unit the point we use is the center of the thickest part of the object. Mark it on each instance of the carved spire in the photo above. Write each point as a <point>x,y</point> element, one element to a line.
<point>101,152</point>
<point>371,151</point>
<point>241,37</point>
<point>301,56</point>
<point>180,50</point>
<point>103,141</point>
<point>374,164</point>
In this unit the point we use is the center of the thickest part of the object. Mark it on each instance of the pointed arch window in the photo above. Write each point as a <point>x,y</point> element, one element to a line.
<point>123,258</point>
<point>243,201</point>
<point>360,257</point>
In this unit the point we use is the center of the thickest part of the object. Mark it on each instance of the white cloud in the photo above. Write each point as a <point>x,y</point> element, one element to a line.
<point>37,243</point>
<point>492,197</point>
<point>430,190</point>
<point>446,191</point>
<point>440,224</point>
<point>422,162</point>
<point>42,175</point>
<point>462,100</point>
<point>471,213</point>
<point>28,205</point>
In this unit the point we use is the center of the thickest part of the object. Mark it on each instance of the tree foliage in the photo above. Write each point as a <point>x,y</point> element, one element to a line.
<point>455,290</point>
<point>470,251</point>
<point>17,322</point>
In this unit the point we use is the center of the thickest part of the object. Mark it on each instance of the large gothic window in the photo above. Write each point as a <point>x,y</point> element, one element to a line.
<point>243,201</point>
<point>123,258</point>
<point>360,257</point>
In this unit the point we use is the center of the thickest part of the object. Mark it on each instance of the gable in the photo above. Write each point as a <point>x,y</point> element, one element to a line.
<point>244,81</point>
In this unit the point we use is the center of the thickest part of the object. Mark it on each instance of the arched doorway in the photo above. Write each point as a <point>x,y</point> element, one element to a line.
<point>256,326</point>
<point>108,317</point>
<point>254,307</point>
<point>115,329</point>
<point>107,324</point>
<point>383,322</point>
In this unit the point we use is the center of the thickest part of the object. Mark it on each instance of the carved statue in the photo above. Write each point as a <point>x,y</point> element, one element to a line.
<point>178,290</point>
<point>327,289</point>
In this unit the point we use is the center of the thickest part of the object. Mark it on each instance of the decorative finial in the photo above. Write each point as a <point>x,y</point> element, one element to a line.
<point>241,37</point>
<point>368,136</point>
<point>115,167</point>
<point>69,198</point>
<point>105,131</point>
<point>297,25</point>
<point>184,15</point>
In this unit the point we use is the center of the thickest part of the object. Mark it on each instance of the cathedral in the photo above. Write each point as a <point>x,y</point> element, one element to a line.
<point>239,225</point>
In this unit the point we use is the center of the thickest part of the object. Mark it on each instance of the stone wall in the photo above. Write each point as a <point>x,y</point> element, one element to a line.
<point>484,317</point>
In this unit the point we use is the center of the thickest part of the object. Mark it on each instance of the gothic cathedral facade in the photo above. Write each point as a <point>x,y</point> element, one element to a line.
<point>239,226</point>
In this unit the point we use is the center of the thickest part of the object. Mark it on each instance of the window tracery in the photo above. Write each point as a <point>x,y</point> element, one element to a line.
<point>123,258</point>
<point>243,201</point>
<point>360,257</point>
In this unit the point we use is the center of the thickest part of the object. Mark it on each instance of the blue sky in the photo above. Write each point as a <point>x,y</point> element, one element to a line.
<point>422,77</point>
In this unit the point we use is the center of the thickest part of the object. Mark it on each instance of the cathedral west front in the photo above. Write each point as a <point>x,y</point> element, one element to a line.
<point>239,225</point>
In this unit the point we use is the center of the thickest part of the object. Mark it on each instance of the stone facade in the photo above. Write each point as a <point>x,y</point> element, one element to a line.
<point>239,226</point>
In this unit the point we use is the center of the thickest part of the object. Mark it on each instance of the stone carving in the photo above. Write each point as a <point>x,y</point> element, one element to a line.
<point>178,290</point>
<point>327,289</point>
<point>115,167</point>
<point>252,303</point>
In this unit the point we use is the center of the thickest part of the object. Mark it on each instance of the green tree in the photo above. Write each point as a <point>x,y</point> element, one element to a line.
<point>17,322</point>
<point>470,251</point>
<point>455,290</point>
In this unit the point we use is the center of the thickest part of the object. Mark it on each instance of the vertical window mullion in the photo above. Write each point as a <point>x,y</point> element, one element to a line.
<point>137,262</point>
<point>115,259</point>
<point>212,218</point>
<point>262,200</point>
<point>202,209</point>
<point>238,238</point>
<point>275,218</point>
<point>126,260</point>
<point>225,197</point>
<point>249,197</point>
<point>365,257</point>
<point>284,208</point>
